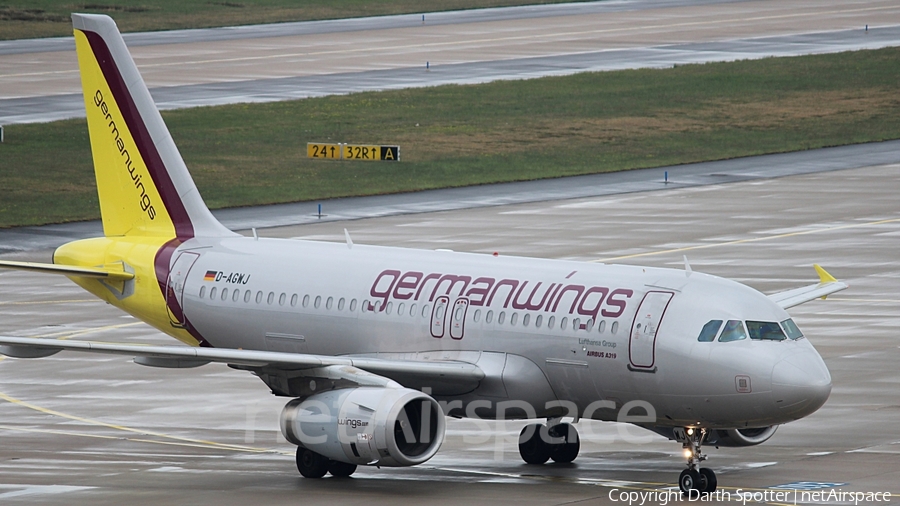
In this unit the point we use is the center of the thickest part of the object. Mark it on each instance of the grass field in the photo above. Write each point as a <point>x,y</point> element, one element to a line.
<point>502,131</point>
<point>21,19</point>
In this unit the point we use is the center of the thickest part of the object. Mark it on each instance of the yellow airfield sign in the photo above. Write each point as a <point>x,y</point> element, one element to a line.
<point>317,150</point>
<point>353,152</point>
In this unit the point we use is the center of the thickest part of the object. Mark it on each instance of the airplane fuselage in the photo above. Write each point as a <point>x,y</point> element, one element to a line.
<point>544,331</point>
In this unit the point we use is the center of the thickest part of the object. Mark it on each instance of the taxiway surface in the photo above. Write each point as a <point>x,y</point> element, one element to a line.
<point>101,430</point>
<point>39,78</point>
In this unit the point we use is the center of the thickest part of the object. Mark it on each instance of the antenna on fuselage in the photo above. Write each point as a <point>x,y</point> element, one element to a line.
<point>687,267</point>
<point>349,240</point>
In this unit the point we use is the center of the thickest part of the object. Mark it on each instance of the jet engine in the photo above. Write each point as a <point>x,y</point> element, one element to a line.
<point>391,427</point>
<point>745,437</point>
<point>731,437</point>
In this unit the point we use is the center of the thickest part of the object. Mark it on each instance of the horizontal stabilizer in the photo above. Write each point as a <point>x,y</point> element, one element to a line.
<point>113,272</point>
<point>826,286</point>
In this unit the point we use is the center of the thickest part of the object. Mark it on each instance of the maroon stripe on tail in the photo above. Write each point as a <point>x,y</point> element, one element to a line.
<point>184,229</point>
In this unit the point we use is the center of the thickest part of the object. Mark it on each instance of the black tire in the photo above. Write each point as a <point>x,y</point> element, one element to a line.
<point>708,481</point>
<point>311,464</point>
<point>566,449</point>
<point>533,446</point>
<point>341,469</point>
<point>689,480</point>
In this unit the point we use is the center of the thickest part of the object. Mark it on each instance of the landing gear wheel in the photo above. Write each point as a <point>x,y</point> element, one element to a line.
<point>341,469</point>
<point>708,481</point>
<point>311,464</point>
<point>567,449</point>
<point>689,480</point>
<point>533,446</point>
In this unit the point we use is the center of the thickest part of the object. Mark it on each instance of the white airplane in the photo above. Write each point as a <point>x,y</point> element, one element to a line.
<point>377,345</point>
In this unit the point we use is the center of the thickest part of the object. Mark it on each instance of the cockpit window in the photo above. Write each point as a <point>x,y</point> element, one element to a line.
<point>765,331</point>
<point>709,331</point>
<point>791,329</point>
<point>733,331</point>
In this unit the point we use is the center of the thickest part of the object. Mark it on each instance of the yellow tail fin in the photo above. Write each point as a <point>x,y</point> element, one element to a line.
<point>144,187</point>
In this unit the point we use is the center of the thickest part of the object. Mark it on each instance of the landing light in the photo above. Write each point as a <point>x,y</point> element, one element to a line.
<point>688,453</point>
<point>690,432</point>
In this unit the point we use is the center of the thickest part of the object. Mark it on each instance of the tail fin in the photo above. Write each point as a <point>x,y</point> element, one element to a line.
<point>143,184</point>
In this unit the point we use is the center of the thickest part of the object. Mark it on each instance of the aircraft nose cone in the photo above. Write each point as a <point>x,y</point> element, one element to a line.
<point>801,384</point>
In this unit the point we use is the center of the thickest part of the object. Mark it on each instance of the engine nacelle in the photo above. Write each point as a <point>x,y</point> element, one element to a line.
<point>731,437</point>
<point>392,427</point>
<point>745,437</point>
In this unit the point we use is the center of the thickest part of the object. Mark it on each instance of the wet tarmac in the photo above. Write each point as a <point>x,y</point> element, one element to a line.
<point>188,68</point>
<point>102,430</point>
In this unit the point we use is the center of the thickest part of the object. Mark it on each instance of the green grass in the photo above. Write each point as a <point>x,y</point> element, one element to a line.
<point>50,18</point>
<point>503,131</point>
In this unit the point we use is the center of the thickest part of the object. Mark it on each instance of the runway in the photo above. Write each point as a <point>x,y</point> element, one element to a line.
<point>188,68</point>
<point>81,428</point>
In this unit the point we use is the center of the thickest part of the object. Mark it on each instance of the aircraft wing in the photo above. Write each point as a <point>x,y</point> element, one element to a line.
<point>113,271</point>
<point>362,371</point>
<point>826,286</point>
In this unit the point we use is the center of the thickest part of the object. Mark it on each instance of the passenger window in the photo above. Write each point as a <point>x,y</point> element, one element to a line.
<point>259,297</point>
<point>365,306</point>
<point>614,327</point>
<point>329,303</point>
<point>709,331</point>
<point>501,317</point>
<point>513,318</point>
<point>305,300</point>
<point>426,310</point>
<point>576,324</point>
<point>318,301</point>
<point>247,296</point>
<point>563,323</point>
<point>212,294</point>
<point>236,296</point>
<point>791,329</point>
<point>477,315</point>
<point>489,317</point>
<point>271,298</point>
<point>525,320</point>
<point>202,291</point>
<point>294,300</point>
<point>341,304</point>
<point>281,299</point>
<point>401,308</point>
<point>389,307</point>
<point>412,310</point>
<point>538,320</point>
<point>765,331</point>
<point>459,314</point>
<point>601,326</point>
<point>733,331</point>
<point>551,322</point>
<point>589,325</point>
<point>353,305</point>
<point>224,294</point>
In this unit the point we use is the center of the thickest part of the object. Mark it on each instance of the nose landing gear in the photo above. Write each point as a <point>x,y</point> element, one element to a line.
<point>702,480</point>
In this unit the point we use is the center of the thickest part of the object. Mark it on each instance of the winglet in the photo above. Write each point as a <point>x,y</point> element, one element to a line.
<point>824,277</point>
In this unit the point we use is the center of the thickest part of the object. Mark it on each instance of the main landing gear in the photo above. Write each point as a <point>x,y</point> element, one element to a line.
<point>539,443</point>
<point>312,465</point>
<point>702,480</point>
